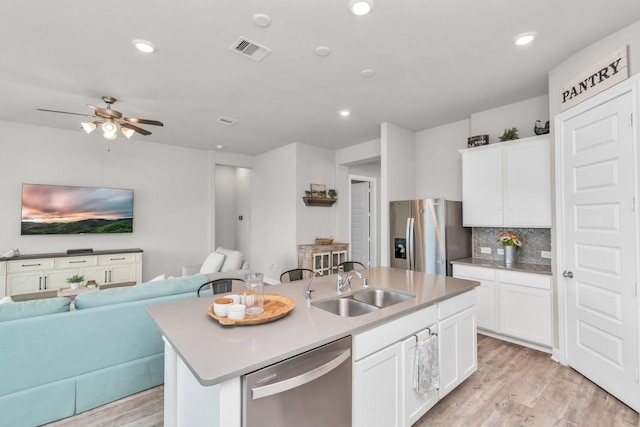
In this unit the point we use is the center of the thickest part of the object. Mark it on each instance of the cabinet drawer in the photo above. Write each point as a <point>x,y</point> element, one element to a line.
<point>448,308</point>
<point>539,281</point>
<point>377,338</point>
<point>479,273</point>
<point>115,259</point>
<point>30,265</point>
<point>76,261</point>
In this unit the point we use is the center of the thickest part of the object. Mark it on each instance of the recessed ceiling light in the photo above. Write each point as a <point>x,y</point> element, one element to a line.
<point>360,7</point>
<point>261,20</point>
<point>143,46</point>
<point>323,51</point>
<point>345,113</point>
<point>219,146</point>
<point>524,38</point>
<point>367,73</point>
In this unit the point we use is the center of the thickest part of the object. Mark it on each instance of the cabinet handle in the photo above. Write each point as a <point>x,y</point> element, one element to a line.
<point>117,259</point>
<point>31,265</point>
<point>105,276</point>
<point>45,283</point>
<point>39,283</point>
<point>77,262</point>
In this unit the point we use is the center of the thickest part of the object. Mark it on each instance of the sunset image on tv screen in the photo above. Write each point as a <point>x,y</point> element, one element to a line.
<point>55,209</point>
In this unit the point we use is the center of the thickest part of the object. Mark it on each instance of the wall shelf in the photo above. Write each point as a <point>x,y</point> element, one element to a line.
<point>318,201</point>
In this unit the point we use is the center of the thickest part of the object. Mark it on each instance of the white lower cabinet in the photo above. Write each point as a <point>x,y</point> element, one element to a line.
<point>384,360</point>
<point>512,304</point>
<point>377,388</point>
<point>458,349</point>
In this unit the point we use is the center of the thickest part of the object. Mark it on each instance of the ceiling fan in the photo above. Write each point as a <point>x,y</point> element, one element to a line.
<point>111,120</point>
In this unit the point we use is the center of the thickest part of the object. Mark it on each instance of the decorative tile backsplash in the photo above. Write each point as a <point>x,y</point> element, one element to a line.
<point>534,241</point>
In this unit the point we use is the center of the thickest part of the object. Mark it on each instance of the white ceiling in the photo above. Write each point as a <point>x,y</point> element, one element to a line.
<point>436,62</point>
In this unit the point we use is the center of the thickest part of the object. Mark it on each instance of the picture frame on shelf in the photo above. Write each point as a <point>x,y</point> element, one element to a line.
<point>318,190</point>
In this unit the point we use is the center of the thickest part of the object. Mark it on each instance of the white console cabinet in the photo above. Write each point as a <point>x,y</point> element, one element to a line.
<point>322,259</point>
<point>512,305</point>
<point>47,272</point>
<point>507,184</point>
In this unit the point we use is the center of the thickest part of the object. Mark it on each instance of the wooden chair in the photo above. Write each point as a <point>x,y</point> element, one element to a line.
<point>220,286</point>
<point>297,274</point>
<point>351,265</point>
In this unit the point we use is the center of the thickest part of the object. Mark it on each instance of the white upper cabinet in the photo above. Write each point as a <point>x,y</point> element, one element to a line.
<point>507,184</point>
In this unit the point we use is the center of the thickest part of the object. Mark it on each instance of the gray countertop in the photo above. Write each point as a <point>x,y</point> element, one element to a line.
<point>215,353</point>
<point>519,266</point>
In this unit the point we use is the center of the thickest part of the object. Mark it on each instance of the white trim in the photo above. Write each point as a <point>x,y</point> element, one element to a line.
<point>373,218</point>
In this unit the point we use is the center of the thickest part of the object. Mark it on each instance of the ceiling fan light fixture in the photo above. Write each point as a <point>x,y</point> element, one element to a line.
<point>127,132</point>
<point>360,7</point>
<point>110,135</point>
<point>144,46</point>
<point>109,127</point>
<point>89,127</point>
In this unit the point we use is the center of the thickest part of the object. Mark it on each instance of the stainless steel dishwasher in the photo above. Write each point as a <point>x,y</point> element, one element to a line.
<point>312,389</point>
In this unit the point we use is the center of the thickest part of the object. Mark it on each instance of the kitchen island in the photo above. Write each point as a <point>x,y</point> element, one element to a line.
<point>205,361</point>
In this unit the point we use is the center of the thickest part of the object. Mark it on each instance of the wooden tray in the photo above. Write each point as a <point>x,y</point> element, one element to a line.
<point>275,307</point>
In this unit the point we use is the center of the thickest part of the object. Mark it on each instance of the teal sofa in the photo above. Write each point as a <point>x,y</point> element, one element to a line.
<point>55,363</point>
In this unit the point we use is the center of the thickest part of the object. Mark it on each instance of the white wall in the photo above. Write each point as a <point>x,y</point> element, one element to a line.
<point>314,166</point>
<point>171,192</point>
<point>438,163</point>
<point>274,197</point>
<point>521,115</point>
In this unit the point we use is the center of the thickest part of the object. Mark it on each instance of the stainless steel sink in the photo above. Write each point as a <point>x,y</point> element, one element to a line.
<point>345,307</point>
<point>381,297</point>
<point>362,302</point>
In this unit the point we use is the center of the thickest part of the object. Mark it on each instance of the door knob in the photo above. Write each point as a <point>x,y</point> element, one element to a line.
<point>568,274</point>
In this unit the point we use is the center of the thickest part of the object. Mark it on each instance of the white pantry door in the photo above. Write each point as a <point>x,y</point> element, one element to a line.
<point>361,222</point>
<point>599,248</point>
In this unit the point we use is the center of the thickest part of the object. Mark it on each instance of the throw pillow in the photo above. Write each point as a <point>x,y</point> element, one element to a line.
<point>160,277</point>
<point>6,300</point>
<point>212,264</point>
<point>232,261</point>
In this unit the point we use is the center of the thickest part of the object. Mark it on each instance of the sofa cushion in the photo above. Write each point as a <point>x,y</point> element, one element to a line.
<point>141,291</point>
<point>232,259</point>
<point>33,308</point>
<point>212,264</point>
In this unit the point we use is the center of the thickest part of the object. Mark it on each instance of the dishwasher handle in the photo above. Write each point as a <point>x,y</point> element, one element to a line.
<point>302,379</point>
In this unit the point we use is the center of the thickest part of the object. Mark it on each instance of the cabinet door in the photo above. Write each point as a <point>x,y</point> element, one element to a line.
<point>415,404</point>
<point>57,279</point>
<point>377,389</point>
<point>486,294</point>
<point>25,283</point>
<point>99,274</point>
<point>122,273</point>
<point>525,313</point>
<point>322,263</point>
<point>482,187</point>
<point>527,184</point>
<point>457,349</point>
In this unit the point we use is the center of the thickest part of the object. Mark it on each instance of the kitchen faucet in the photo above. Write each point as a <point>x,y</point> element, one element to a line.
<point>309,290</point>
<point>344,284</point>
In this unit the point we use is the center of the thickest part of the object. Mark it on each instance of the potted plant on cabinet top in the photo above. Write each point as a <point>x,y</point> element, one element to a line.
<point>75,281</point>
<point>332,193</point>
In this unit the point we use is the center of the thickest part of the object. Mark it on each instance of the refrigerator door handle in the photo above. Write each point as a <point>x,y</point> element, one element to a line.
<point>410,242</point>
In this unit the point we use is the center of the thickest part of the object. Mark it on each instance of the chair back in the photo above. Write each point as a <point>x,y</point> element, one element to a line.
<point>297,274</point>
<point>220,286</point>
<point>351,265</point>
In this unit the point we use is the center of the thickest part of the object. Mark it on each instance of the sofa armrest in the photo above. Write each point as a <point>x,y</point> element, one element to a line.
<point>190,270</point>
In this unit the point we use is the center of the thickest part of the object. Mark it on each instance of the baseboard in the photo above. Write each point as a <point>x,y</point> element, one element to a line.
<point>512,340</point>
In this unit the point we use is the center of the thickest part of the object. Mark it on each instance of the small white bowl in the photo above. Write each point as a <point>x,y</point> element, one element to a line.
<point>236,311</point>
<point>235,298</point>
<point>220,306</point>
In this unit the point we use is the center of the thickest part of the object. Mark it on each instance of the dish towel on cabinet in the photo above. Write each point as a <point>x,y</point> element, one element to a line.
<point>426,371</point>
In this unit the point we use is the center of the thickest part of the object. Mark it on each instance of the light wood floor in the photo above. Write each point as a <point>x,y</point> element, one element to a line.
<point>514,386</point>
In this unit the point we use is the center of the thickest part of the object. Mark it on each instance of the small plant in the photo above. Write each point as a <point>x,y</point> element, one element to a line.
<point>75,279</point>
<point>509,239</point>
<point>509,134</point>
<point>332,193</point>
<point>307,193</point>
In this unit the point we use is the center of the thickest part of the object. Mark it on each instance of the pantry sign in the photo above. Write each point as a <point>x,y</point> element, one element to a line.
<point>609,71</point>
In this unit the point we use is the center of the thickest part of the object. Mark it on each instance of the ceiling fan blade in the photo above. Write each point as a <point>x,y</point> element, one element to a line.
<point>135,128</point>
<point>143,121</point>
<point>107,114</point>
<point>63,112</point>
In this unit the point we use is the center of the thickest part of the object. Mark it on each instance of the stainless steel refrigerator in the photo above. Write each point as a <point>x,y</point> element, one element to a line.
<point>427,234</point>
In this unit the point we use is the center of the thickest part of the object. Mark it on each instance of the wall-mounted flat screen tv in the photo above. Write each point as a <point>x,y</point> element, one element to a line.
<point>58,209</point>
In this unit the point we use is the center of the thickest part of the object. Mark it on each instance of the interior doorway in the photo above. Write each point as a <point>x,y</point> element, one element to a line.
<point>362,219</point>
